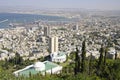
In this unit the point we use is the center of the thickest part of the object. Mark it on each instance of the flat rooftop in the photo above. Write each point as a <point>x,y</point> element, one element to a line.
<point>48,66</point>
<point>61,54</point>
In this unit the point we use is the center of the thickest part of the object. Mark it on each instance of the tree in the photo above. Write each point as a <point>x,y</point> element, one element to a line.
<point>77,62</point>
<point>115,55</point>
<point>105,56</point>
<point>51,71</point>
<point>100,66</point>
<point>83,55</point>
<point>18,59</point>
<point>100,62</point>
<point>90,64</point>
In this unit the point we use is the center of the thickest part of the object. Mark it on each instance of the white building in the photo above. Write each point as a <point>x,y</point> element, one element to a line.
<point>58,57</point>
<point>111,53</point>
<point>75,27</point>
<point>55,55</point>
<point>39,67</point>
<point>95,54</point>
<point>42,39</point>
<point>53,44</point>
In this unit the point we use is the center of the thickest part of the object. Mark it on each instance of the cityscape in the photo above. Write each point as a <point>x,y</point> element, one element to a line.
<point>59,41</point>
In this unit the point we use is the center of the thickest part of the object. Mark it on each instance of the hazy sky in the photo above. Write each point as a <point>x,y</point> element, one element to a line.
<point>87,4</point>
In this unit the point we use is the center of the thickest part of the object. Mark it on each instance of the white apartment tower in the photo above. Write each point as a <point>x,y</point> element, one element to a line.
<point>77,26</point>
<point>47,31</point>
<point>53,44</point>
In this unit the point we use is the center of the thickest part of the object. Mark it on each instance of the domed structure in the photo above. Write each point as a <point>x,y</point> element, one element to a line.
<point>39,66</point>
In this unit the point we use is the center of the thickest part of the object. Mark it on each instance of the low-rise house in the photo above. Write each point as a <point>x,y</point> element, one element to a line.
<point>111,53</point>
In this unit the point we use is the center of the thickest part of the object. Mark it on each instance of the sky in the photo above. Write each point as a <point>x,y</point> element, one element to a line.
<point>85,4</point>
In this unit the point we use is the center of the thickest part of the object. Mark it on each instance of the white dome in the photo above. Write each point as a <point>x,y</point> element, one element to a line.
<point>39,66</point>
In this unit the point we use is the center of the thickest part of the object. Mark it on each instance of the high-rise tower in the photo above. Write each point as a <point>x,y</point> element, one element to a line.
<point>47,31</point>
<point>53,44</point>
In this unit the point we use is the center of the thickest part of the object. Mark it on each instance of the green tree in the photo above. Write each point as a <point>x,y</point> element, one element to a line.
<point>90,64</point>
<point>18,59</point>
<point>105,56</point>
<point>115,55</point>
<point>83,56</point>
<point>77,62</point>
<point>100,66</point>
<point>100,62</point>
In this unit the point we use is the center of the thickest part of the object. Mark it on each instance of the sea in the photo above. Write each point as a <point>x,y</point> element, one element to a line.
<point>7,18</point>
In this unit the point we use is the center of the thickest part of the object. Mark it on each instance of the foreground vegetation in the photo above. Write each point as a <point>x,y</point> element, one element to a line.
<point>75,68</point>
<point>110,72</point>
